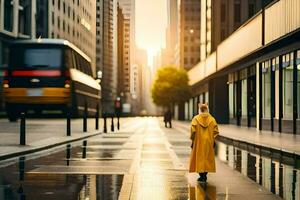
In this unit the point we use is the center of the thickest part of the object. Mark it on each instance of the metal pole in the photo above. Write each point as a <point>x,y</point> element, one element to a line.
<point>112,128</point>
<point>68,124</point>
<point>118,123</point>
<point>97,118</point>
<point>85,118</point>
<point>105,125</point>
<point>23,130</point>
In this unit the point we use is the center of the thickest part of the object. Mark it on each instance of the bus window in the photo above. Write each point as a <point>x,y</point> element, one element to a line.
<point>30,57</point>
<point>68,59</point>
<point>78,62</point>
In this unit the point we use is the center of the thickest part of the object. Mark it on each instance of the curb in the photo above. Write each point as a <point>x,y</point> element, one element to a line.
<point>37,149</point>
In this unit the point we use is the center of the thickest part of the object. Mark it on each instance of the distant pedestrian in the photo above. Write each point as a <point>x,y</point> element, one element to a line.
<point>168,118</point>
<point>204,130</point>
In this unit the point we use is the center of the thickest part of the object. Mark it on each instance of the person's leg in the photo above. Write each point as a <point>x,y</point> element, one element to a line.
<point>166,124</point>
<point>170,122</point>
<point>203,177</point>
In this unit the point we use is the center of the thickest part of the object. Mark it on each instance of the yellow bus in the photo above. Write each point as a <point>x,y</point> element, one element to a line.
<point>49,74</point>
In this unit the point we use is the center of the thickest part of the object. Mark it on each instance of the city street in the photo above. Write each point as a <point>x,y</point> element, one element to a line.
<point>143,160</point>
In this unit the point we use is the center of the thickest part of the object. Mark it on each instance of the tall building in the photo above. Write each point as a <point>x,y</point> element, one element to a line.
<point>17,21</point>
<point>71,20</point>
<point>107,52</point>
<point>127,68</point>
<point>219,19</point>
<point>121,66</point>
<point>168,53</point>
<point>188,49</point>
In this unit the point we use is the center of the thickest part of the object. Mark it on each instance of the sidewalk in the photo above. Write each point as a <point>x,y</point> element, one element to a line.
<point>284,142</point>
<point>42,134</point>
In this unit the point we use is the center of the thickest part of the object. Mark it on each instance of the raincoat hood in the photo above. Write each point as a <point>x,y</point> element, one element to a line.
<point>204,119</point>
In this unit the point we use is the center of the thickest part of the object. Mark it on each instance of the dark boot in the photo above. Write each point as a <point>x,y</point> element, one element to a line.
<point>203,177</point>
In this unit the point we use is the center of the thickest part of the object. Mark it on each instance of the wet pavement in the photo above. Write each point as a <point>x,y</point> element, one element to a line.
<point>143,161</point>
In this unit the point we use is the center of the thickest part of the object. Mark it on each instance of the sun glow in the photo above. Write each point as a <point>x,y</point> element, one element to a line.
<point>151,23</point>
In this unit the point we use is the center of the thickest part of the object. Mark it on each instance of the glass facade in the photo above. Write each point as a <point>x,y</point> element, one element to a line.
<point>231,100</point>
<point>206,98</point>
<point>298,82</point>
<point>8,15</point>
<point>266,90</point>
<point>244,98</point>
<point>287,85</point>
<point>25,17</point>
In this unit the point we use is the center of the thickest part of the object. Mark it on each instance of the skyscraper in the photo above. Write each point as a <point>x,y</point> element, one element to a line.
<point>128,70</point>
<point>107,52</point>
<point>17,21</point>
<point>188,48</point>
<point>221,18</point>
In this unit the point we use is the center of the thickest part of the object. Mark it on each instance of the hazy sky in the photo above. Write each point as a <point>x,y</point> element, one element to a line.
<point>151,22</point>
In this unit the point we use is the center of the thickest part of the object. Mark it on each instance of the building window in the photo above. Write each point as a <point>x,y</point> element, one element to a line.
<point>53,20</point>
<point>8,15</point>
<point>266,90</point>
<point>231,100</point>
<point>287,78</point>
<point>237,12</point>
<point>251,10</point>
<point>58,22</point>
<point>223,12</point>
<point>185,61</point>
<point>69,11</point>
<point>64,7</point>
<point>298,84</point>
<point>206,98</point>
<point>192,61</point>
<point>25,17</point>
<point>244,98</point>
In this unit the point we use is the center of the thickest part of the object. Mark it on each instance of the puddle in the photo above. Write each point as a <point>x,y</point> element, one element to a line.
<point>71,172</point>
<point>278,172</point>
<point>59,187</point>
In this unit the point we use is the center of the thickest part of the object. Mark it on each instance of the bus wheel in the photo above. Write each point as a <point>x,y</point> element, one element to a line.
<point>12,116</point>
<point>12,113</point>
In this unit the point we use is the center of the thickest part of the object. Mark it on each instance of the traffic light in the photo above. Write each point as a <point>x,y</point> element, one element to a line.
<point>118,107</point>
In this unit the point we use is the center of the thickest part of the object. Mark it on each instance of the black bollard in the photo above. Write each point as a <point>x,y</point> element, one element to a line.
<point>85,118</point>
<point>105,125</point>
<point>118,123</point>
<point>84,149</point>
<point>68,154</point>
<point>97,119</point>
<point>112,128</point>
<point>68,124</point>
<point>23,130</point>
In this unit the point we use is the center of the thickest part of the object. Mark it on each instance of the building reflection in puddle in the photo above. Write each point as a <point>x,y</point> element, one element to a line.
<point>276,171</point>
<point>202,192</point>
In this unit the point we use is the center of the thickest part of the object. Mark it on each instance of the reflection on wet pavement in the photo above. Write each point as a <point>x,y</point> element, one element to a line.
<point>78,171</point>
<point>202,192</point>
<point>149,162</point>
<point>278,172</point>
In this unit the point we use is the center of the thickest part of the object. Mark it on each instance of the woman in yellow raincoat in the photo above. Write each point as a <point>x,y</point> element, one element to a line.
<point>204,130</point>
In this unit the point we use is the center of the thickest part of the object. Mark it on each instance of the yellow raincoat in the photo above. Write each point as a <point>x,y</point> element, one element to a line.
<point>204,130</point>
